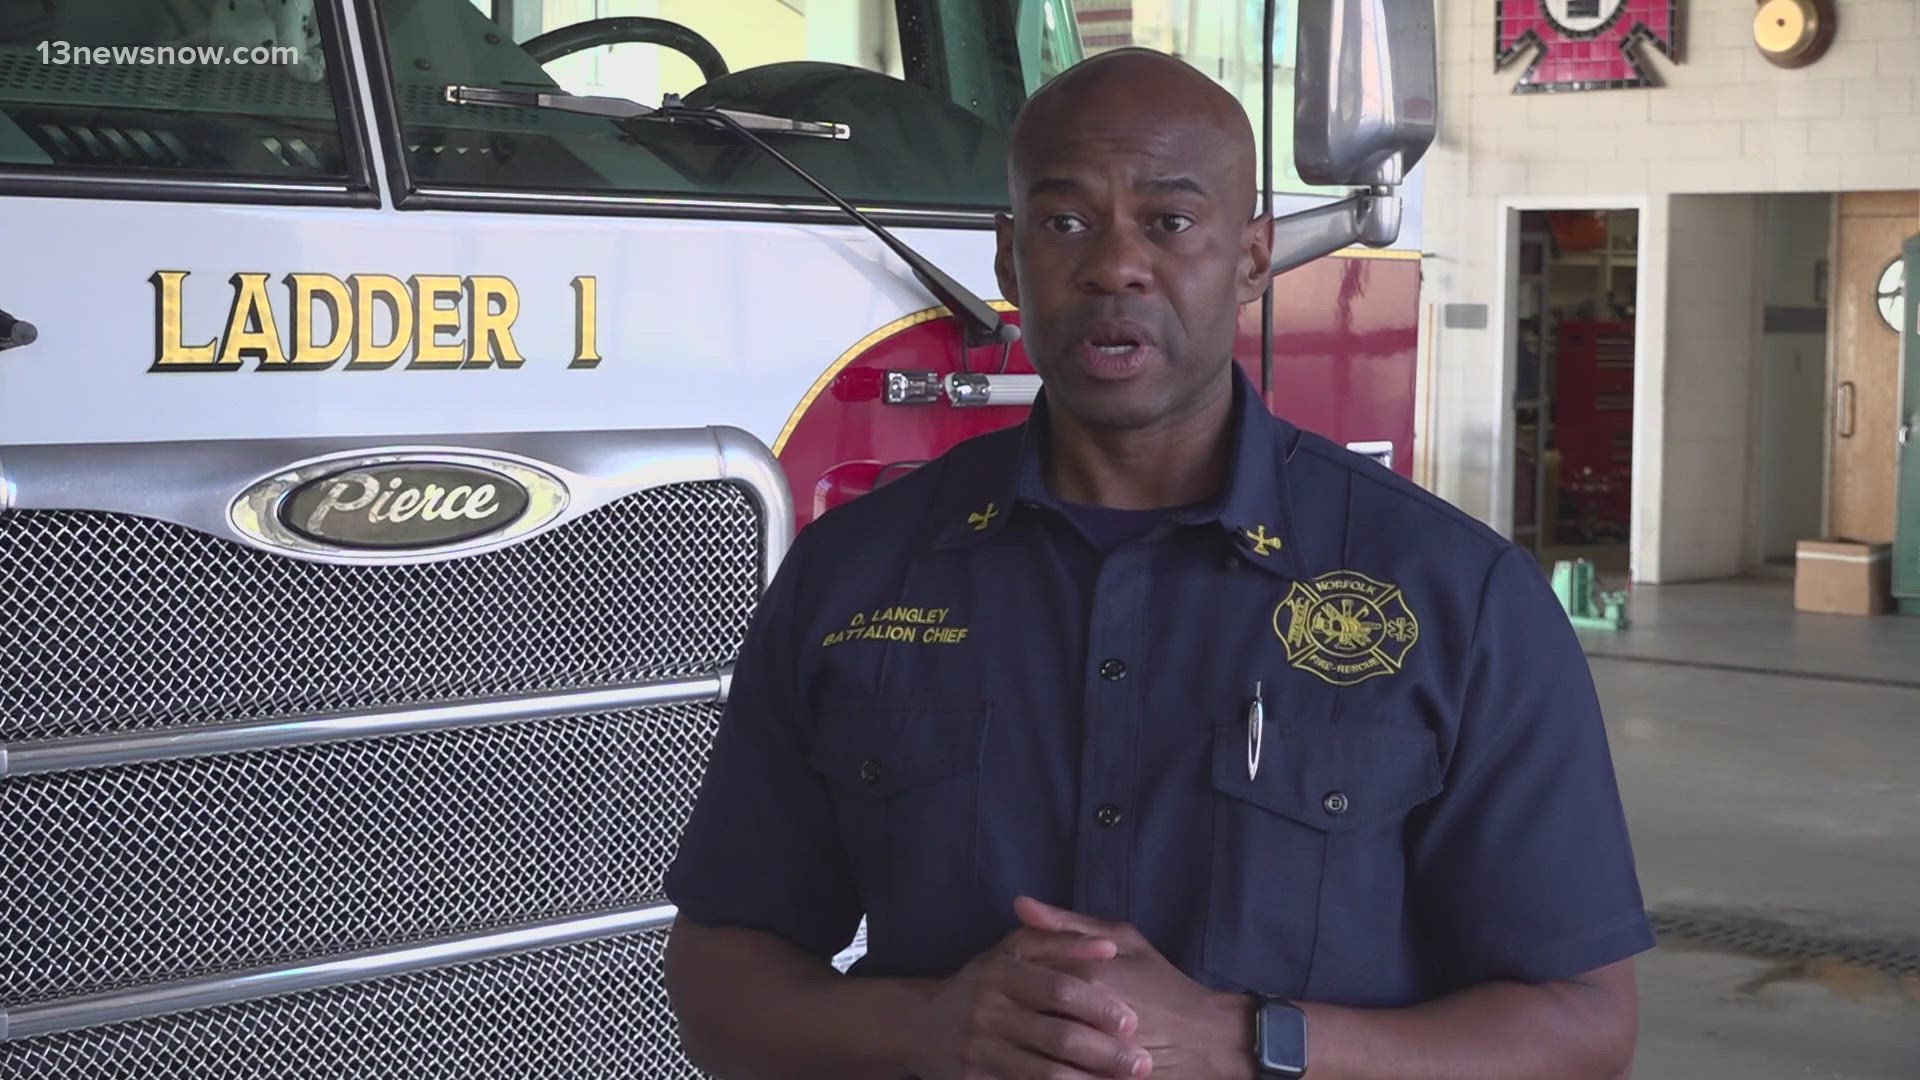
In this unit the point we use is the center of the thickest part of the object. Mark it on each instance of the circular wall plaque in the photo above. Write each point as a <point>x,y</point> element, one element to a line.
<point>1793,33</point>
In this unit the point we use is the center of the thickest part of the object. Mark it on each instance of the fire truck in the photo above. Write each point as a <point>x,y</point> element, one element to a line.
<point>403,404</point>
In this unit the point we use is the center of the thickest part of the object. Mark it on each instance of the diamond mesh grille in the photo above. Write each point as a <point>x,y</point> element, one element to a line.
<point>595,1009</point>
<point>151,872</point>
<point>113,622</point>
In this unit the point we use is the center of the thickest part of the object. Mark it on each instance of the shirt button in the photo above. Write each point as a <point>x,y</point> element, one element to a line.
<point>1108,816</point>
<point>1113,671</point>
<point>1334,802</point>
<point>870,770</point>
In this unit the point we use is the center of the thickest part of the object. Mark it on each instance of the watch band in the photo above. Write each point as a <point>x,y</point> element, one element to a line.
<point>1280,1040</point>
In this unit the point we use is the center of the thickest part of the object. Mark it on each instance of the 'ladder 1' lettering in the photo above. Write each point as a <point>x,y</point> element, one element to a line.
<point>359,323</point>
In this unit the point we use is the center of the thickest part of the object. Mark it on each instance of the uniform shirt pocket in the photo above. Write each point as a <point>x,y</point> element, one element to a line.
<point>1309,852</point>
<point>904,777</point>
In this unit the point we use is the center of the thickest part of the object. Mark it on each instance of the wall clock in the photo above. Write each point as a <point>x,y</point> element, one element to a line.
<point>1889,291</point>
<point>1793,33</point>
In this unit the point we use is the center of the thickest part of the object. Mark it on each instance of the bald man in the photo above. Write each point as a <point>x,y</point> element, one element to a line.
<point>1155,736</point>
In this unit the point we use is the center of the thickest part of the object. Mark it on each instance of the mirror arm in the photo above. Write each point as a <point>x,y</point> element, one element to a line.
<point>1370,216</point>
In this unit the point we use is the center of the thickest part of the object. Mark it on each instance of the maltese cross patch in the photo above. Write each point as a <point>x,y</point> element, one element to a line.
<point>1584,44</point>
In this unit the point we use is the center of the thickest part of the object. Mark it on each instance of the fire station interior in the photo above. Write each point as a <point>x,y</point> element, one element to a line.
<point>1780,329</point>
<point>1573,389</point>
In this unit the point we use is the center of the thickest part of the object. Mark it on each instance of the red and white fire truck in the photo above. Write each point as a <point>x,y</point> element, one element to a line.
<point>404,402</point>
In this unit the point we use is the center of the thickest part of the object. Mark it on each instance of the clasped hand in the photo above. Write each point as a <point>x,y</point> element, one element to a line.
<point>1069,997</point>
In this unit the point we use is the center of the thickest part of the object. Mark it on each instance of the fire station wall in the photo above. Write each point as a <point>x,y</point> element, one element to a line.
<point>1724,121</point>
<point>1709,491</point>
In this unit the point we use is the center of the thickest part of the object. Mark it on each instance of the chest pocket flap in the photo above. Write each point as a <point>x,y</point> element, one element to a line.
<point>878,749</point>
<point>1335,779</point>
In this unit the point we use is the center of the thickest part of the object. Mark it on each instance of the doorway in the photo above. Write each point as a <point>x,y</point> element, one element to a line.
<point>1797,247</point>
<point>1577,277</point>
<point>1870,228</point>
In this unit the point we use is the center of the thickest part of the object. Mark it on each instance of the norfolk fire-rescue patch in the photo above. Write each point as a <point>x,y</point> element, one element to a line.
<point>1346,627</point>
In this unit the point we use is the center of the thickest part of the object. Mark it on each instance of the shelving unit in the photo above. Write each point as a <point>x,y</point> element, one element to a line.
<point>1532,489</point>
<point>1573,391</point>
<point>1600,282</point>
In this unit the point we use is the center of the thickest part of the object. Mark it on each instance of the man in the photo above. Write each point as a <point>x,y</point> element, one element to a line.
<point>1155,736</point>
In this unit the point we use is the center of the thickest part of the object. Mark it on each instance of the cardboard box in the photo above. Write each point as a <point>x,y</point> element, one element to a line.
<point>1843,577</point>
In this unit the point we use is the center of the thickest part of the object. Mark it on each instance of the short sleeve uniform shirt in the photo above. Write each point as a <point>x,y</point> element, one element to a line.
<point>951,695</point>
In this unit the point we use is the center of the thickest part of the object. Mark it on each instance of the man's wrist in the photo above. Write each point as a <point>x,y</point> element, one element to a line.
<point>903,1028</point>
<point>1236,1017</point>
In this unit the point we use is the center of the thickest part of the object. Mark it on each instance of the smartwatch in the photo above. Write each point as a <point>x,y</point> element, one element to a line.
<point>1279,1040</point>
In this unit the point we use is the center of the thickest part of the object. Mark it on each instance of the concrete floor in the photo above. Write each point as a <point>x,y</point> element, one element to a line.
<point>1709,1016</point>
<point>1749,624</point>
<point>1770,763</point>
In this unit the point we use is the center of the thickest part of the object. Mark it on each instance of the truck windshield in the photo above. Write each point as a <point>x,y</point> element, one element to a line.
<point>928,87</point>
<point>253,89</point>
<point>186,89</point>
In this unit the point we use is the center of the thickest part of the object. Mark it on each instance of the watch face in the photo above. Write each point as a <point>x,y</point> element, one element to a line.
<point>1888,293</point>
<point>1283,1040</point>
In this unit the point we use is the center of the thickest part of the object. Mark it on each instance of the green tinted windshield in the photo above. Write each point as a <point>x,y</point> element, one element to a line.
<point>928,88</point>
<point>179,89</point>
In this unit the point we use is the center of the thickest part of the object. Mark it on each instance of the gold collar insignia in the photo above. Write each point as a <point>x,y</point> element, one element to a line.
<point>1262,543</point>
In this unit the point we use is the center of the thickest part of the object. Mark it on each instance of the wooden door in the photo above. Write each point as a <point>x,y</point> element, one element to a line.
<point>1865,403</point>
<point>1906,544</point>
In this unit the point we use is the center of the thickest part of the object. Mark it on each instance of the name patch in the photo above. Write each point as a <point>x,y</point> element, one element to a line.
<point>905,625</point>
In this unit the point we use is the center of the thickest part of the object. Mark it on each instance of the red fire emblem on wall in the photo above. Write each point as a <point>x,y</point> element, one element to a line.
<point>1584,44</point>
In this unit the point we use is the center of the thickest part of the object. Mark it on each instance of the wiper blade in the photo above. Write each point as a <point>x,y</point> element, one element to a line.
<point>619,108</point>
<point>983,325</point>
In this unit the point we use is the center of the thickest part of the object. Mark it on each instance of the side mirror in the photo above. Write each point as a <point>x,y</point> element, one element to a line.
<point>1364,89</point>
<point>1365,113</point>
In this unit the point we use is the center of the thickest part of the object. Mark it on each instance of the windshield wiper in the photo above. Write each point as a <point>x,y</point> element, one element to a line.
<point>619,108</point>
<point>982,324</point>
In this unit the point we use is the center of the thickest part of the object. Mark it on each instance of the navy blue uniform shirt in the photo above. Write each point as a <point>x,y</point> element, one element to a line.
<point>950,697</point>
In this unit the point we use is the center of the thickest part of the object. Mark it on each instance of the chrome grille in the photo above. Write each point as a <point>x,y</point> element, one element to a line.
<point>151,872</point>
<point>590,1010</point>
<point>112,622</point>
